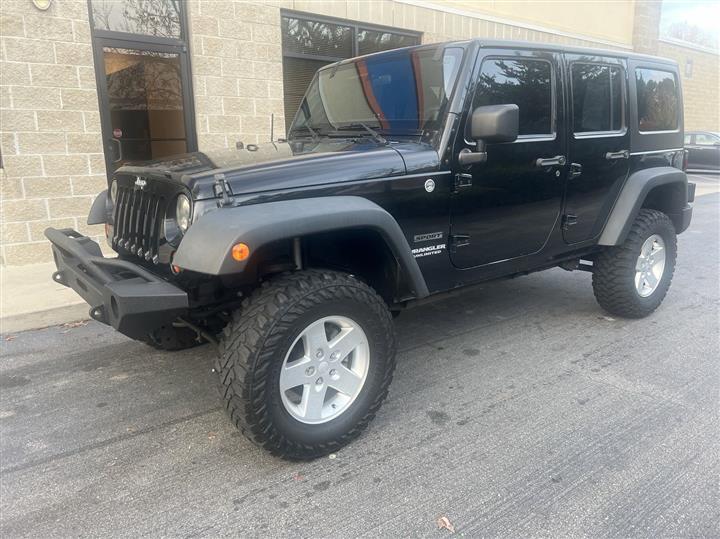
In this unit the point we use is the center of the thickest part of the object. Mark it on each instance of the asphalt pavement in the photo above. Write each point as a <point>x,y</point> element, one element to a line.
<point>518,409</point>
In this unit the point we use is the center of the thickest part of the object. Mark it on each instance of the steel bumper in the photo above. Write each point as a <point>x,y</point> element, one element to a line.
<point>121,294</point>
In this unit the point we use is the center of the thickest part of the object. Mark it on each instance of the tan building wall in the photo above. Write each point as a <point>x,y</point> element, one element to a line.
<point>49,125</point>
<point>701,90</point>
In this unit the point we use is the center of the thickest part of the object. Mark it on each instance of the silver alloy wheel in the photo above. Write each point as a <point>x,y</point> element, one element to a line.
<point>650,265</point>
<point>324,370</point>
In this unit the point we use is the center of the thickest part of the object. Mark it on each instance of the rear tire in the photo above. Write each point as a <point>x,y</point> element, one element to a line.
<point>627,280</point>
<point>280,363</point>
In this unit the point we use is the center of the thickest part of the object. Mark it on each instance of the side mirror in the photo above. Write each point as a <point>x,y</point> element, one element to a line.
<point>488,124</point>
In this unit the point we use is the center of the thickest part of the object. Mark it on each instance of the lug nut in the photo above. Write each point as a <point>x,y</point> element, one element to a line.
<point>333,372</point>
<point>319,354</point>
<point>335,356</point>
<point>310,371</point>
<point>319,381</point>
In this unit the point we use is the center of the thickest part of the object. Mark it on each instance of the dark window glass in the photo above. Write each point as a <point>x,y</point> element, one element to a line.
<point>370,41</point>
<point>688,139</point>
<point>315,38</point>
<point>400,92</point>
<point>657,97</point>
<point>160,18</point>
<point>308,45</point>
<point>704,139</point>
<point>298,73</point>
<point>525,83</point>
<point>597,98</point>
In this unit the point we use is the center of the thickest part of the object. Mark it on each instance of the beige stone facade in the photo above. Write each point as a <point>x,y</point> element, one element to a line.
<point>53,164</point>
<point>50,131</point>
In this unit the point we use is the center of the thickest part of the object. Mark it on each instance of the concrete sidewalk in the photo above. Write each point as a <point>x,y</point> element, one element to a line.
<point>30,299</point>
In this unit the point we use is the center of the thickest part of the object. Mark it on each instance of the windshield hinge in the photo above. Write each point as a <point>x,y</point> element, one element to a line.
<point>568,221</point>
<point>458,240</point>
<point>462,181</point>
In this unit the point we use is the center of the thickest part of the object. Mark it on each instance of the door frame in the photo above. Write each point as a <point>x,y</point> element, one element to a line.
<point>124,40</point>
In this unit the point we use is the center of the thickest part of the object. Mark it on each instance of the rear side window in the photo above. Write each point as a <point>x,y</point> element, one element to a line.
<point>525,83</point>
<point>703,139</point>
<point>657,96</point>
<point>597,93</point>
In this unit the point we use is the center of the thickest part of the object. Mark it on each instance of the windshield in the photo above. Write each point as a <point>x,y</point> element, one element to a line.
<point>402,92</point>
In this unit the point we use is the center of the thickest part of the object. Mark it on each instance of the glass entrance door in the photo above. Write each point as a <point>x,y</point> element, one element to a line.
<point>145,104</point>
<point>143,79</point>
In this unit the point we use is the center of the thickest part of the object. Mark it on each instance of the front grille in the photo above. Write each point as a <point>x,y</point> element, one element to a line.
<point>138,219</point>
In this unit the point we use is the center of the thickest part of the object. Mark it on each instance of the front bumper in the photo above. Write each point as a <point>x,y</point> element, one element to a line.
<point>121,294</point>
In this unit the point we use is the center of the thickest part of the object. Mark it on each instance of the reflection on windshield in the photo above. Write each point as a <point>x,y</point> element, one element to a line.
<point>402,92</point>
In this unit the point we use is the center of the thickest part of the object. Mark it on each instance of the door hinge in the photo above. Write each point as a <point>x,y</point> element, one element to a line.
<point>457,240</point>
<point>568,221</point>
<point>575,170</point>
<point>462,180</point>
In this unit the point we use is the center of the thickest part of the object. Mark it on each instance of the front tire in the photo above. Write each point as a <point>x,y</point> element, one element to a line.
<point>307,362</point>
<point>632,279</point>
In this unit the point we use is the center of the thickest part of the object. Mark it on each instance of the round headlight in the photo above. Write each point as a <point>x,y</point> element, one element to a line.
<point>182,212</point>
<point>113,191</point>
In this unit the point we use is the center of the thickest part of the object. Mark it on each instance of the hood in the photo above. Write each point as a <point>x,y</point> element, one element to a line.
<point>283,165</point>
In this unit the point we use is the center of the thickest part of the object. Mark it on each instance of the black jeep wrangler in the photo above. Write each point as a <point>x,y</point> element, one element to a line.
<point>405,174</point>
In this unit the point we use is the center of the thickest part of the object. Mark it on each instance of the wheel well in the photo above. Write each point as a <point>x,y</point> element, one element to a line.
<point>362,252</point>
<point>669,198</point>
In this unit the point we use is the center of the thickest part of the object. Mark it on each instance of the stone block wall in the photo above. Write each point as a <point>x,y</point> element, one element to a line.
<point>52,155</point>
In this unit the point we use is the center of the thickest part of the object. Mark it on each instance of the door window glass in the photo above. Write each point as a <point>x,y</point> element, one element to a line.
<point>597,92</point>
<point>159,18</point>
<point>525,83</point>
<point>688,139</point>
<point>704,139</point>
<point>657,100</point>
<point>145,97</point>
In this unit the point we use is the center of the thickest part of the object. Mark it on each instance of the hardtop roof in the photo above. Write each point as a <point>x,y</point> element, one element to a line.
<point>525,45</point>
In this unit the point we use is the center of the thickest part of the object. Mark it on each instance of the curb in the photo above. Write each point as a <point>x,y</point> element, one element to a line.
<point>44,318</point>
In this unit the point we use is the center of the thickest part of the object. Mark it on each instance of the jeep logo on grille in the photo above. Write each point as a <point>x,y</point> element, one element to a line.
<point>140,183</point>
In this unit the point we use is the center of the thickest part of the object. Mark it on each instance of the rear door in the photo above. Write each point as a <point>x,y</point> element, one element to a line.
<point>598,142</point>
<point>507,206</point>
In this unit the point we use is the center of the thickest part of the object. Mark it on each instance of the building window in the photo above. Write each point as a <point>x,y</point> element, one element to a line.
<point>310,43</point>
<point>657,99</point>
<point>525,83</point>
<point>597,94</point>
<point>158,18</point>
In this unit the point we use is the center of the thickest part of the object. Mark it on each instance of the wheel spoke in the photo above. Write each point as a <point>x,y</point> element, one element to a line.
<point>315,338</point>
<point>346,342</point>
<point>293,374</point>
<point>651,279</point>
<point>347,382</point>
<point>313,399</point>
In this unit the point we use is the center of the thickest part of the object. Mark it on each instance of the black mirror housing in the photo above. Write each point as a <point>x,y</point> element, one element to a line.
<point>495,123</point>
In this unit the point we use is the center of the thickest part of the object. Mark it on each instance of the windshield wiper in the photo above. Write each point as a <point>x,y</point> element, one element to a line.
<point>314,134</point>
<point>377,137</point>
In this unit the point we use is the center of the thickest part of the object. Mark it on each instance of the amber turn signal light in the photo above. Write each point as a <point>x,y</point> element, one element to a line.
<point>240,252</point>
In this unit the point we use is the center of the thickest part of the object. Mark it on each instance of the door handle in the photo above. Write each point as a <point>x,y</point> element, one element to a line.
<point>558,160</point>
<point>622,154</point>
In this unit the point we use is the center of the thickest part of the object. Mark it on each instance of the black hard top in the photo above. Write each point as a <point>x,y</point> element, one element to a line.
<point>534,45</point>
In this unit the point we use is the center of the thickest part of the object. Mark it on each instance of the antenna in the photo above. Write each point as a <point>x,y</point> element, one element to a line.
<point>272,126</point>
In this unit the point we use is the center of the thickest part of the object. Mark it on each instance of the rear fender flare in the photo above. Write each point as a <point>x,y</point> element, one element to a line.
<point>206,247</point>
<point>631,199</point>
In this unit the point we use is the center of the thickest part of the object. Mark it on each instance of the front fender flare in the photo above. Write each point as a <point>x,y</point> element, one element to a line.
<point>631,198</point>
<point>206,247</point>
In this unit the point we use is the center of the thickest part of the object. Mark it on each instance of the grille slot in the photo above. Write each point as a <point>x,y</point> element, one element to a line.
<point>137,217</point>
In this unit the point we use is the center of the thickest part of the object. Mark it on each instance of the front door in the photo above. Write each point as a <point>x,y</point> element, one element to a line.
<point>598,142</point>
<point>508,206</point>
<point>143,80</point>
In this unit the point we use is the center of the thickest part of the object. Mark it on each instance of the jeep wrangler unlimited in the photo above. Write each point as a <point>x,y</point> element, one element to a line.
<point>405,174</point>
